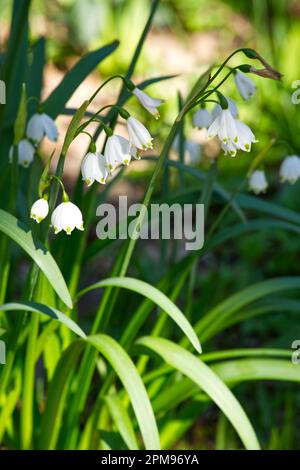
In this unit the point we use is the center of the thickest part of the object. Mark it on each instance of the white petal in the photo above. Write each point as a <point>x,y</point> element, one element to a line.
<point>231,106</point>
<point>227,129</point>
<point>50,128</point>
<point>213,129</point>
<point>25,153</point>
<point>138,134</point>
<point>150,104</point>
<point>117,151</point>
<point>258,182</point>
<point>66,217</point>
<point>245,136</point>
<point>229,148</point>
<point>245,85</point>
<point>125,156</point>
<point>202,118</point>
<point>93,168</point>
<point>39,210</point>
<point>35,128</point>
<point>290,169</point>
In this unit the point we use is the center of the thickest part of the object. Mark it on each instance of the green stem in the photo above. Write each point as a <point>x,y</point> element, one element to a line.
<point>28,385</point>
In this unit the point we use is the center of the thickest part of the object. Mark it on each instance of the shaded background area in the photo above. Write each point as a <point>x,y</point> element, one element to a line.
<point>187,37</point>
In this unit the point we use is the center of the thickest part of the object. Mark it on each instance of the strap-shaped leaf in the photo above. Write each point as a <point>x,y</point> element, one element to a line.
<point>122,421</point>
<point>45,310</point>
<point>206,379</point>
<point>22,235</point>
<point>55,103</point>
<point>56,398</point>
<point>158,297</point>
<point>132,382</point>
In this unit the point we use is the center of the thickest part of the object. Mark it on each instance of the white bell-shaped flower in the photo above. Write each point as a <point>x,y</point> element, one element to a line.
<point>40,125</point>
<point>139,136</point>
<point>202,118</point>
<point>231,106</point>
<point>258,182</point>
<point>150,104</point>
<point>25,153</point>
<point>128,151</point>
<point>39,210</point>
<point>244,85</point>
<point>290,169</point>
<point>93,168</point>
<point>118,150</point>
<point>224,127</point>
<point>66,216</point>
<point>245,136</point>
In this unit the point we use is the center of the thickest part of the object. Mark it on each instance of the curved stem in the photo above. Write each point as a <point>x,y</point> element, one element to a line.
<point>65,195</point>
<point>109,79</point>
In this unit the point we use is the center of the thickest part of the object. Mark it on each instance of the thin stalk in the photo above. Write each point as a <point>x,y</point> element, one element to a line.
<point>28,385</point>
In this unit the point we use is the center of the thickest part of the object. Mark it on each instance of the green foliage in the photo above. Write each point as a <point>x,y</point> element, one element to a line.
<point>117,373</point>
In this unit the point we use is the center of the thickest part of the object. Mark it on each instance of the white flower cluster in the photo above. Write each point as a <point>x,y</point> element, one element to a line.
<point>39,126</point>
<point>234,134</point>
<point>119,150</point>
<point>289,171</point>
<point>95,166</point>
<point>66,216</point>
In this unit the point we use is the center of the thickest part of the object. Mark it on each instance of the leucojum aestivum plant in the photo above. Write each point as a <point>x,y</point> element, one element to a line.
<point>143,382</point>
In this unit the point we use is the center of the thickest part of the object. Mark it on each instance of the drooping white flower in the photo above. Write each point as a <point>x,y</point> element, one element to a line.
<point>40,125</point>
<point>66,216</point>
<point>258,182</point>
<point>128,151</point>
<point>150,104</point>
<point>202,118</point>
<point>93,168</point>
<point>231,106</point>
<point>245,136</point>
<point>118,150</point>
<point>244,85</point>
<point>39,210</point>
<point>25,153</point>
<point>290,169</point>
<point>138,134</point>
<point>224,127</point>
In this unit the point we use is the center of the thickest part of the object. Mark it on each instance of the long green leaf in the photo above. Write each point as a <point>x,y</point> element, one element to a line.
<point>122,421</point>
<point>57,392</point>
<point>132,382</point>
<point>243,370</point>
<point>213,320</point>
<point>259,205</point>
<point>232,372</point>
<point>45,310</point>
<point>56,102</point>
<point>156,296</point>
<point>206,379</point>
<point>22,235</point>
